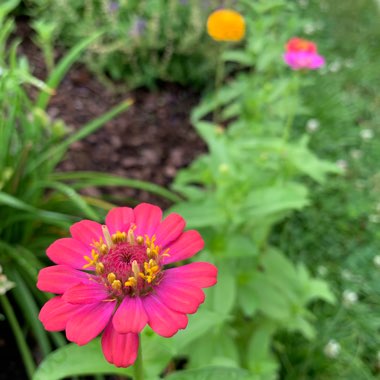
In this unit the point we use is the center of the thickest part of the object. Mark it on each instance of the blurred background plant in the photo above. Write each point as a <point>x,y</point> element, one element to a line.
<point>338,235</point>
<point>144,41</point>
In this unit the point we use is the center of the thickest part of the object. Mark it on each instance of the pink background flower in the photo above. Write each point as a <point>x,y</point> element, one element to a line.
<point>304,60</point>
<point>114,279</point>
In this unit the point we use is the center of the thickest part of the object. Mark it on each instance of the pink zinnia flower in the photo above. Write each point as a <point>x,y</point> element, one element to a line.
<point>296,44</point>
<point>304,60</point>
<point>302,54</point>
<point>125,283</point>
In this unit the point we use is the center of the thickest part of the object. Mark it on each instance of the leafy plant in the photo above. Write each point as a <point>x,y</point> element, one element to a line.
<point>145,41</point>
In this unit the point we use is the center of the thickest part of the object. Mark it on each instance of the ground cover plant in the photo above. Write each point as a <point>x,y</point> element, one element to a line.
<point>280,201</point>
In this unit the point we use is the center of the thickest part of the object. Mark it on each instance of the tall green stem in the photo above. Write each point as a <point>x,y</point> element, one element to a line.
<point>292,111</point>
<point>219,76</point>
<point>22,345</point>
<point>138,366</point>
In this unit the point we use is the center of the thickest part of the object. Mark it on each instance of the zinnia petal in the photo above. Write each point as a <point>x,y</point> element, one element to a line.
<point>199,273</point>
<point>70,252</point>
<point>119,349</point>
<point>170,229</point>
<point>87,232</point>
<point>180,297</point>
<point>130,316</point>
<point>186,246</point>
<point>162,320</point>
<point>55,314</point>
<point>119,219</point>
<point>147,219</point>
<point>89,322</point>
<point>86,293</point>
<point>59,278</point>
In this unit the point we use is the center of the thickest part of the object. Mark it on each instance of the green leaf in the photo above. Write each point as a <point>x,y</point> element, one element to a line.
<point>211,373</point>
<point>63,66</point>
<point>222,297</point>
<point>73,360</point>
<point>93,125</point>
<point>200,324</point>
<point>276,199</point>
<point>47,216</point>
<point>200,213</point>
<point>87,179</point>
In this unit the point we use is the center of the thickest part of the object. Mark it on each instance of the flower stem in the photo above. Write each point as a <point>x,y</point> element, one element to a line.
<point>292,112</point>
<point>219,76</point>
<point>22,345</point>
<point>138,366</point>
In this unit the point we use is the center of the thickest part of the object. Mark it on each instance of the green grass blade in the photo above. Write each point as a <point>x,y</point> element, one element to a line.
<point>30,310</point>
<point>74,197</point>
<point>86,179</point>
<point>62,68</point>
<point>20,339</point>
<point>89,128</point>
<point>47,216</point>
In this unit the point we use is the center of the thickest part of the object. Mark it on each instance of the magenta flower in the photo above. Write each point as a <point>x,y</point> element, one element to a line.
<point>301,60</point>
<point>125,283</point>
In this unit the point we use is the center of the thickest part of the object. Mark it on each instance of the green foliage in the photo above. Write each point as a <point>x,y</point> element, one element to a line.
<point>254,175</point>
<point>338,236</point>
<point>144,40</point>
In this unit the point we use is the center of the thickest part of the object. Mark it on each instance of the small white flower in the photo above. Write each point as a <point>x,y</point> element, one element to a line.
<point>349,298</point>
<point>376,261</point>
<point>309,28</point>
<point>366,134</point>
<point>303,3</point>
<point>312,125</point>
<point>349,63</point>
<point>373,218</point>
<point>5,284</point>
<point>356,154</point>
<point>322,270</point>
<point>347,275</point>
<point>224,168</point>
<point>342,164</point>
<point>335,66</point>
<point>332,349</point>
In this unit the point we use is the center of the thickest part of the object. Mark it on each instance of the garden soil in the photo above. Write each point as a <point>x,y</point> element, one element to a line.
<point>151,141</point>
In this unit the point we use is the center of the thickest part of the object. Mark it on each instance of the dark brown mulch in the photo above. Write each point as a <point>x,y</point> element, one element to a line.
<point>150,141</point>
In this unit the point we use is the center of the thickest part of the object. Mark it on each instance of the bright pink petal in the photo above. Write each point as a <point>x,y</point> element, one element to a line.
<point>170,229</point>
<point>86,293</point>
<point>119,349</point>
<point>87,232</point>
<point>119,219</point>
<point>147,219</point>
<point>162,320</point>
<point>186,246</point>
<point>180,297</point>
<point>70,252</point>
<point>55,314</point>
<point>197,274</point>
<point>130,316</point>
<point>59,278</point>
<point>89,322</point>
